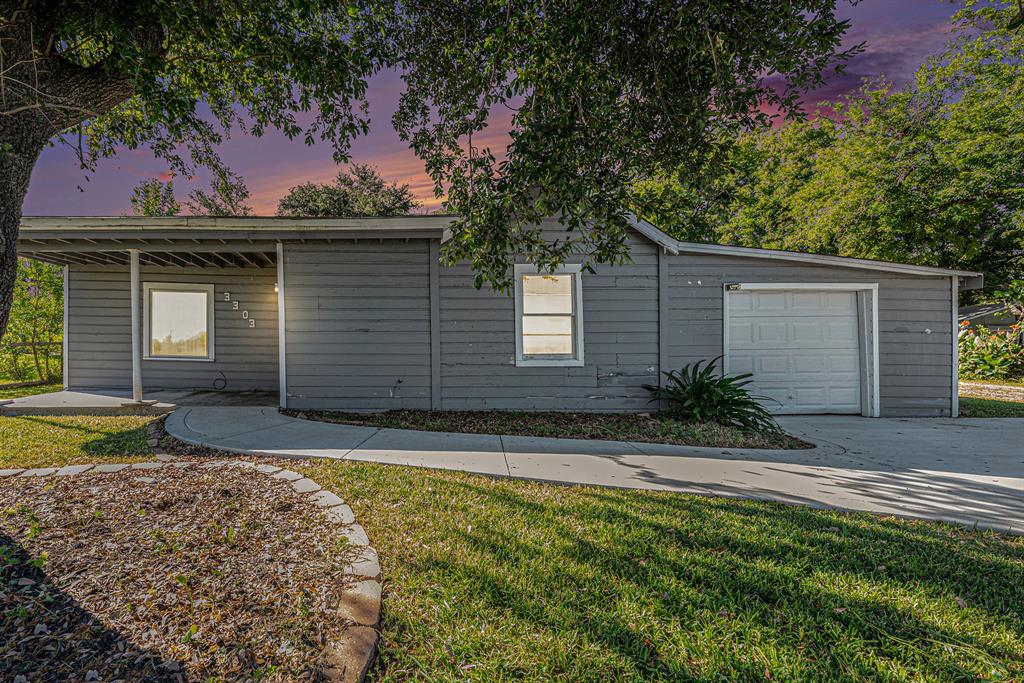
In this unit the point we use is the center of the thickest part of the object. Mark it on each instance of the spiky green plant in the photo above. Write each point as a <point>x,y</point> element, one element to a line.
<point>702,394</point>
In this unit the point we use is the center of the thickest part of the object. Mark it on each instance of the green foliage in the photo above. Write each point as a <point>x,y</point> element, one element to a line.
<point>153,197</point>
<point>31,347</point>
<point>988,354</point>
<point>1012,297</point>
<point>598,96</point>
<point>930,174</point>
<point>226,197</point>
<point>359,192</point>
<point>701,394</point>
<point>594,95</point>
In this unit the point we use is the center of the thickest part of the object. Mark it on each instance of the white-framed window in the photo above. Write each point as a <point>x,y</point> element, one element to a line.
<point>549,316</point>
<point>178,321</point>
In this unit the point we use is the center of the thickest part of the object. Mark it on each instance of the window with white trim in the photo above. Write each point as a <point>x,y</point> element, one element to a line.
<point>178,321</point>
<point>549,316</point>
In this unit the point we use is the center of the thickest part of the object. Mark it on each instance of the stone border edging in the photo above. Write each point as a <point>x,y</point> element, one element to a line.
<point>349,658</point>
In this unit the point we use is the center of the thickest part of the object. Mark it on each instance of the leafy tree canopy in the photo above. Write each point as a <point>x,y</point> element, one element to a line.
<point>226,197</point>
<point>930,174</point>
<point>598,94</point>
<point>152,197</point>
<point>360,192</point>
<point>31,347</point>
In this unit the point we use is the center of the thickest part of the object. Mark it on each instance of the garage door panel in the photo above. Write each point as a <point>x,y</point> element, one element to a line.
<point>847,364</point>
<point>802,347</point>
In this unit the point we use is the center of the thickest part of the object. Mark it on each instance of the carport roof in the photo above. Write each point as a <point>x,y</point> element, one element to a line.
<point>250,241</point>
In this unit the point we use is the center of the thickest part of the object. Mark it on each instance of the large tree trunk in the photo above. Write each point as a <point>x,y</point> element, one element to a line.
<point>20,146</point>
<point>43,94</point>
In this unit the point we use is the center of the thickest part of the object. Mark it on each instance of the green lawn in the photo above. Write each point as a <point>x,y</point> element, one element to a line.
<point>29,391</point>
<point>497,579</point>
<point>507,580</point>
<point>987,407</point>
<point>58,440</point>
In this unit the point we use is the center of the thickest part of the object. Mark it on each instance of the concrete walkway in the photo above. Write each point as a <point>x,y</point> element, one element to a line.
<point>969,471</point>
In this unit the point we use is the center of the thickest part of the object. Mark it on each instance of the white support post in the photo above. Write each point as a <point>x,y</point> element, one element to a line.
<point>136,327</point>
<point>955,322</point>
<point>64,342</point>
<point>282,356</point>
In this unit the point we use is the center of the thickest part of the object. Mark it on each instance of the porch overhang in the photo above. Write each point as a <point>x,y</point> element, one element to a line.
<point>201,241</point>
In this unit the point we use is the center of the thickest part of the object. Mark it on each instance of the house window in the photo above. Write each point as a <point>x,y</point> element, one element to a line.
<point>549,316</point>
<point>178,321</point>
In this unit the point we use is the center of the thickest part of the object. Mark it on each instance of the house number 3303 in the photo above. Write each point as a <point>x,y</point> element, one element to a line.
<point>234,307</point>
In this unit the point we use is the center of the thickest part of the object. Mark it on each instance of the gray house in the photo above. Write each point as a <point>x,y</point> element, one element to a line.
<point>359,314</point>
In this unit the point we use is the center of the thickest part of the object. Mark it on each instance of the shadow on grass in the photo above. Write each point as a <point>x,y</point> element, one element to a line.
<point>109,441</point>
<point>601,584</point>
<point>50,636</point>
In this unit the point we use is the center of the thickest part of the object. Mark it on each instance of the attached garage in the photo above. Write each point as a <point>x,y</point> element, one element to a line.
<point>809,347</point>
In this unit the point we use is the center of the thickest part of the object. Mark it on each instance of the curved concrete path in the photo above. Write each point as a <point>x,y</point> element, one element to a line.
<point>969,471</point>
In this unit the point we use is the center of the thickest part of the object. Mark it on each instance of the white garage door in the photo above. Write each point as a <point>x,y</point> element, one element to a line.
<point>802,347</point>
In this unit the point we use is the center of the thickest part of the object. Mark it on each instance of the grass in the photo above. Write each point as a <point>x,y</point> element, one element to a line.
<point>987,407</point>
<point>30,391</point>
<point>507,580</point>
<point>494,579</point>
<point>59,440</point>
<point>614,426</point>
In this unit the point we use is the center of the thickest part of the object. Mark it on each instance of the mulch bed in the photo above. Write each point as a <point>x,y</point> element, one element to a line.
<point>656,428</point>
<point>174,574</point>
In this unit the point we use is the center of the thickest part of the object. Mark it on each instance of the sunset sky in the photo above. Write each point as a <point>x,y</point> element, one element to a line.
<point>899,35</point>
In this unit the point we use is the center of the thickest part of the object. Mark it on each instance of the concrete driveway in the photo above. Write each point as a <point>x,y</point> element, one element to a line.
<point>968,471</point>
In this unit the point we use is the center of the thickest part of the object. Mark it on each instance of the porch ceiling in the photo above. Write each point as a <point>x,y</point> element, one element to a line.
<point>249,242</point>
<point>166,252</point>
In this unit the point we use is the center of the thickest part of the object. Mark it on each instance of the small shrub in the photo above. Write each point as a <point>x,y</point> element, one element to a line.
<point>701,394</point>
<point>988,354</point>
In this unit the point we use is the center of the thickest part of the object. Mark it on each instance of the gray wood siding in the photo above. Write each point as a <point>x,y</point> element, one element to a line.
<point>357,325</point>
<point>915,366</point>
<point>620,320</point>
<point>99,330</point>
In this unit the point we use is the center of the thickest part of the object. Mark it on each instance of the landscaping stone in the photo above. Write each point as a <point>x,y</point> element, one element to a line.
<point>111,467</point>
<point>287,475</point>
<point>365,564</point>
<point>214,464</point>
<point>342,514</point>
<point>356,535</point>
<point>267,469</point>
<point>305,486</point>
<point>361,603</point>
<point>69,470</point>
<point>38,472</point>
<point>350,658</point>
<point>326,499</point>
<point>147,465</point>
<point>145,480</point>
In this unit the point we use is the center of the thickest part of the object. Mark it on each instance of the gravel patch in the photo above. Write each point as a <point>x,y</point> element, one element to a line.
<point>999,392</point>
<point>180,572</point>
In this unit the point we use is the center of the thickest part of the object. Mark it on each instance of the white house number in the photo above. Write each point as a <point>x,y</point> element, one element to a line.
<point>234,307</point>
